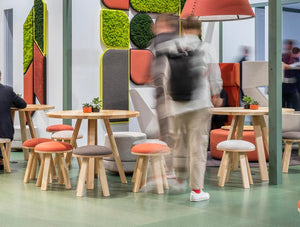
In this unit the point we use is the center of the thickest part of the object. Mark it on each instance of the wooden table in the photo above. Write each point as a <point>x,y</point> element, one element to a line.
<point>27,112</point>
<point>260,131</point>
<point>92,118</point>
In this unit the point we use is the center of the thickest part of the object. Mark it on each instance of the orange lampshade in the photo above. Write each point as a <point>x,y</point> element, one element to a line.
<point>218,10</point>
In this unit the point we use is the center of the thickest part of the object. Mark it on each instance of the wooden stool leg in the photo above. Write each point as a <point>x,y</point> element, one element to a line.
<point>249,171</point>
<point>5,159</point>
<point>135,168</point>
<point>138,174</point>
<point>79,162</point>
<point>82,177</point>
<point>64,169</point>
<point>34,165</point>
<point>156,173</point>
<point>52,169</point>
<point>286,156</point>
<point>224,169</point>
<point>221,164</point>
<point>163,173</point>
<point>244,171</point>
<point>8,150</point>
<point>46,171</point>
<point>29,167</point>
<point>144,171</point>
<point>59,172</point>
<point>231,163</point>
<point>41,170</point>
<point>103,179</point>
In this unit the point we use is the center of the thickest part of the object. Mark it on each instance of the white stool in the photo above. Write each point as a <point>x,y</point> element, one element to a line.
<point>289,138</point>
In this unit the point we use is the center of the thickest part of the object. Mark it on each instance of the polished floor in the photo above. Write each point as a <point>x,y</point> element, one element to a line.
<point>262,205</point>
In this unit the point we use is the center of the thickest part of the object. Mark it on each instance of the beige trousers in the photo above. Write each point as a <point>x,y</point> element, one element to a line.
<point>190,149</point>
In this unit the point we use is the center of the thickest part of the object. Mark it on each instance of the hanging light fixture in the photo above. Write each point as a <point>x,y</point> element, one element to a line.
<point>218,10</point>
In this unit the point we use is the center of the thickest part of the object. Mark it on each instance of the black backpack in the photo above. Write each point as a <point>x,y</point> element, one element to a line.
<point>184,78</point>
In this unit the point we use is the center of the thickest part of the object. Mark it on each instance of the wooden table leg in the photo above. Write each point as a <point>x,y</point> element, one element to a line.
<point>92,140</point>
<point>115,151</point>
<point>231,136</point>
<point>239,136</point>
<point>30,124</point>
<point>264,130</point>
<point>260,149</point>
<point>75,132</point>
<point>23,133</point>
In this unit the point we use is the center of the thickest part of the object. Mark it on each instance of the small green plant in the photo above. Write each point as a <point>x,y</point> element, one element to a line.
<point>86,105</point>
<point>247,99</point>
<point>254,102</point>
<point>96,103</point>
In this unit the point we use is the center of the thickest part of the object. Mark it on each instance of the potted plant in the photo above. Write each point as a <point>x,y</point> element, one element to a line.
<point>254,105</point>
<point>86,108</point>
<point>248,100</point>
<point>96,104</point>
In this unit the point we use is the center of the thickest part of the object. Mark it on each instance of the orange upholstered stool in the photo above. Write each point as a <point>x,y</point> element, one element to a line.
<point>219,135</point>
<point>47,149</point>
<point>59,127</point>
<point>30,172</point>
<point>5,152</point>
<point>98,153</point>
<point>143,152</point>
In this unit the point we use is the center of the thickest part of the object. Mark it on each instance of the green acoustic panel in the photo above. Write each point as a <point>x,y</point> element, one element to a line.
<point>182,2</point>
<point>114,80</point>
<point>116,4</point>
<point>39,24</point>
<point>140,30</point>
<point>28,41</point>
<point>114,28</point>
<point>155,6</point>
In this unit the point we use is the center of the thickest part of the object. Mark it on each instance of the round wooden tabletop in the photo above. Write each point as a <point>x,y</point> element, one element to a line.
<point>242,111</point>
<point>34,107</point>
<point>103,114</point>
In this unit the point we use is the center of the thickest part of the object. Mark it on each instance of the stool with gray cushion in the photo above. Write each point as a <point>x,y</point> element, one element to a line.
<point>289,138</point>
<point>239,147</point>
<point>98,153</point>
<point>124,141</point>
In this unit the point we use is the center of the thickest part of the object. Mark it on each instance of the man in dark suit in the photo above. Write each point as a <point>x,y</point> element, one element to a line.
<point>8,98</point>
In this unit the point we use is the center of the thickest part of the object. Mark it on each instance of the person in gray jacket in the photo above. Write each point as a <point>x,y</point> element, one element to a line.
<point>192,118</point>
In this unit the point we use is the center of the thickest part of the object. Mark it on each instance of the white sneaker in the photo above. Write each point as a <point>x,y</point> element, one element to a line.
<point>195,197</point>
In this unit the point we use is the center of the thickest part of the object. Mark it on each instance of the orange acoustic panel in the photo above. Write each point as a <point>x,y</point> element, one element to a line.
<point>116,4</point>
<point>39,75</point>
<point>28,85</point>
<point>140,65</point>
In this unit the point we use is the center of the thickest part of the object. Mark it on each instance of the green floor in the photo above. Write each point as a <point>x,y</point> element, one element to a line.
<point>263,205</point>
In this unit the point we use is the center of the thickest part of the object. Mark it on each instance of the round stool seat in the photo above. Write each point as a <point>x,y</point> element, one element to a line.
<point>65,135</point>
<point>92,151</point>
<point>236,145</point>
<point>53,147</point>
<point>5,140</point>
<point>31,143</point>
<point>59,127</point>
<point>157,141</point>
<point>150,149</point>
<point>292,135</point>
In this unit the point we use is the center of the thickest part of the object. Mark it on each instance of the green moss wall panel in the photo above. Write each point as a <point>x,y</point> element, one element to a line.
<point>114,28</point>
<point>140,30</point>
<point>39,73</point>
<point>40,22</point>
<point>140,64</point>
<point>114,79</point>
<point>116,4</point>
<point>28,41</point>
<point>28,85</point>
<point>155,6</point>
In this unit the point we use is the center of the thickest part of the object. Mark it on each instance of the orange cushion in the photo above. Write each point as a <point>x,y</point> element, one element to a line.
<point>53,146</point>
<point>35,141</point>
<point>56,128</point>
<point>150,148</point>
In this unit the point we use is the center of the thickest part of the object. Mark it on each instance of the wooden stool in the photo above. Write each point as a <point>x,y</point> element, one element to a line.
<point>59,127</point>
<point>30,172</point>
<point>98,153</point>
<point>289,138</point>
<point>156,152</point>
<point>47,149</point>
<point>5,152</point>
<point>240,147</point>
<point>66,136</point>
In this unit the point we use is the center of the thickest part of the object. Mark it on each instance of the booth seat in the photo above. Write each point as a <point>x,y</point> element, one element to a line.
<point>219,135</point>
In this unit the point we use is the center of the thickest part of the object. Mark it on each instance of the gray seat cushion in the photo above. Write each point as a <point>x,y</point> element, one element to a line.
<point>65,134</point>
<point>294,135</point>
<point>239,145</point>
<point>92,150</point>
<point>4,140</point>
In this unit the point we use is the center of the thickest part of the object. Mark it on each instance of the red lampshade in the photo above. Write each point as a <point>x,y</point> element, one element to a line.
<point>218,10</point>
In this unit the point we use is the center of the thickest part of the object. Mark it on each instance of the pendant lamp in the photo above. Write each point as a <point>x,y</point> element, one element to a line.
<point>218,10</point>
